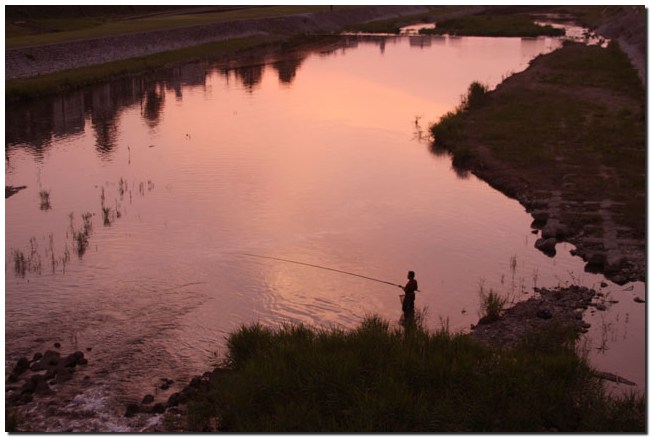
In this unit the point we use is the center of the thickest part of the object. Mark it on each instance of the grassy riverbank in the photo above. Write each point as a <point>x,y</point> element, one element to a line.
<point>23,89</point>
<point>572,127</point>
<point>380,379</point>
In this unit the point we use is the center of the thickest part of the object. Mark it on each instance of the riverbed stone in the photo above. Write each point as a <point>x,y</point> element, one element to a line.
<point>21,366</point>
<point>540,218</point>
<point>167,383</point>
<point>63,375</point>
<point>50,359</point>
<point>544,313</point>
<point>546,245</point>
<point>132,409</point>
<point>614,261</point>
<point>176,399</point>
<point>36,384</point>
<point>73,359</point>
<point>554,228</point>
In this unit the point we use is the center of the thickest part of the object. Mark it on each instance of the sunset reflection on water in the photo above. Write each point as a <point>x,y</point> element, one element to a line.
<point>321,157</point>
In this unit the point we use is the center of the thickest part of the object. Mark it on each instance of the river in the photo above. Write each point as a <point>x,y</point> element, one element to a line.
<point>145,197</point>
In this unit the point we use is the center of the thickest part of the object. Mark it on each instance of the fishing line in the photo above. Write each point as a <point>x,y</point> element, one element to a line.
<point>322,267</point>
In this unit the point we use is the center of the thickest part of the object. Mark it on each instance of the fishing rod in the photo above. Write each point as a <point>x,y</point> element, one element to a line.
<point>322,267</point>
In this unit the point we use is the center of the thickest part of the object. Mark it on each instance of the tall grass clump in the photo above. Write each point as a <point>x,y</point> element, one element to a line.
<point>45,200</point>
<point>448,131</point>
<point>476,97</point>
<point>81,237</point>
<point>380,378</point>
<point>491,305</point>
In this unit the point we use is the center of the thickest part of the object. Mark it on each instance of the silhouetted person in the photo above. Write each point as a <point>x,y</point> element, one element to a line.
<point>410,296</point>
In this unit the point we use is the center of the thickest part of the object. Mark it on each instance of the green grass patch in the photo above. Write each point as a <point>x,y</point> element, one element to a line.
<point>494,26</point>
<point>393,25</point>
<point>22,89</point>
<point>376,378</point>
<point>97,27</point>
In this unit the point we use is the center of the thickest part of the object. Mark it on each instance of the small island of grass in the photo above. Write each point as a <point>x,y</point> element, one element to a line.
<point>493,26</point>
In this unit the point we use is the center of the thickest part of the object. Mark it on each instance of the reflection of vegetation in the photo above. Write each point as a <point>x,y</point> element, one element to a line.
<point>22,89</point>
<point>375,378</point>
<point>106,131</point>
<point>154,98</point>
<point>287,69</point>
<point>81,237</point>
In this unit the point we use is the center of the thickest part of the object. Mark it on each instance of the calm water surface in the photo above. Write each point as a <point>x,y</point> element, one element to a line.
<point>320,157</point>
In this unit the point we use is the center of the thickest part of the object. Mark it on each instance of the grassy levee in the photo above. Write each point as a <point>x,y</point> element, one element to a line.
<point>375,378</point>
<point>575,121</point>
<point>84,27</point>
<point>23,89</point>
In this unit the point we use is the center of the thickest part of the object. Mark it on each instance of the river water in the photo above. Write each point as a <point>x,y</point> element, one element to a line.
<point>170,181</point>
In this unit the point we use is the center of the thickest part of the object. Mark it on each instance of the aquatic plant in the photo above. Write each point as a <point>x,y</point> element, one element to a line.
<point>477,95</point>
<point>81,237</point>
<point>81,243</point>
<point>20,263</point>
<point>106,215</point>
<point>45,200</point>
<point>491,304</point>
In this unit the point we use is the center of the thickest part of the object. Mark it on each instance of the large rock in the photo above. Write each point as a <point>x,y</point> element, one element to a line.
<point>614,261</point>
<point>21,366</point>
<point>554,228</point>
<point>546,245</point>
<point>74,359</point>
<point>49,360</point>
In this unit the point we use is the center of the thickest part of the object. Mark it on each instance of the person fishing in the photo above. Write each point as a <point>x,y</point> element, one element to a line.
<point>410,296</point>
<point>407,299</point>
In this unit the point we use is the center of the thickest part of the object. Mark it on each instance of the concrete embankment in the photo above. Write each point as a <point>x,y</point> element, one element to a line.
<point>44,59</point>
